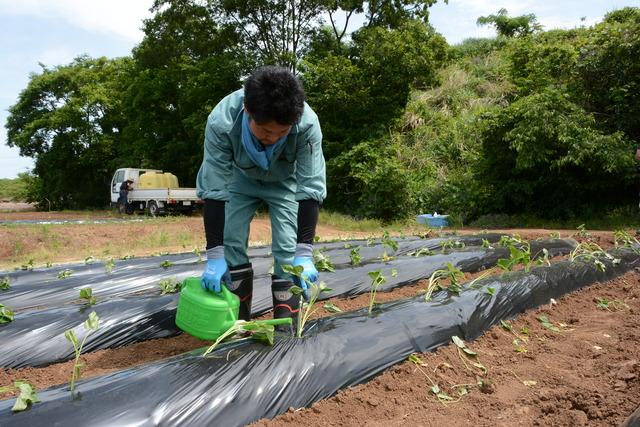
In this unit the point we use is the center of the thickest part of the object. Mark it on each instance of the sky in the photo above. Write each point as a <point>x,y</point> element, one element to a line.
<point>54,32</point>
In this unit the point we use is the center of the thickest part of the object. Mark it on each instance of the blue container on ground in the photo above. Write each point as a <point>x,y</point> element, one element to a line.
<point>433,221</point>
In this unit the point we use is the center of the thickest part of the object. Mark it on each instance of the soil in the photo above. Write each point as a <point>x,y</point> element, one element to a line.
<point>586,374</point>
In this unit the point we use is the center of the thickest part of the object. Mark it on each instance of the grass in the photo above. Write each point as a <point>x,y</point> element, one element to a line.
<point>12,189</point>
<point>58,243</point>
<point>624,217</point>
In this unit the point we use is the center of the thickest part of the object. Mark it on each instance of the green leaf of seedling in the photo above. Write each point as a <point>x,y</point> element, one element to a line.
<point>166,264</point>
<point>70,335</point>
<point>504,264</point>
<point>331,308</point>
<point>324,288</point>
<point>525,330</point>
<point>296,290</point>
<point>26,397</point>
<point>64,274</point>
<point>6,315</point>
<point>469,351</point>
<point>544,320</point>
<point>293,270</point>
<point>457,341</point>
<point>491,291</point>
<point>5,283</point>
<point>394,272</point>
<point>93,322</point>
<point>415,359</point>
<point>7,389</point>
<point>261,332</point>
<point>506,325</point>
<point>519,347</point>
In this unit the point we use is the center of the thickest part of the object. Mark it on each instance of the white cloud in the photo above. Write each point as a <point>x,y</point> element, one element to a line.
<point>120,17</point>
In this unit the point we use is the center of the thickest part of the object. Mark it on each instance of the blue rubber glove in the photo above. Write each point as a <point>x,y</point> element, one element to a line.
<point>216,271</point>
<point>304,257</point>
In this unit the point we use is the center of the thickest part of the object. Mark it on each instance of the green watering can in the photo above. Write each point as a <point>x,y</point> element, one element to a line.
<point>207,315</point>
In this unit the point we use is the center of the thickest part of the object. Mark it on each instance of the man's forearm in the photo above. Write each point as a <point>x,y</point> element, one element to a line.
<point>214,222</point>
<point>308,211</point>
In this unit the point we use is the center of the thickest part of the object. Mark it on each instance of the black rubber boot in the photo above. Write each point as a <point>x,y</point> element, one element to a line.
<point>242,285</point>
<point>285,304</point>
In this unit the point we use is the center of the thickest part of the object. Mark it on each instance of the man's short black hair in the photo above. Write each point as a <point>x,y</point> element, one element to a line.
<point>274,94</point>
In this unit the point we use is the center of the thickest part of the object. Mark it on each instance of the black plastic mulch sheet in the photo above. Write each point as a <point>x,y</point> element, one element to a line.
<point>36,338</point>
<point>244,382</point>
<point>633,420</point>
<point>43,288</point>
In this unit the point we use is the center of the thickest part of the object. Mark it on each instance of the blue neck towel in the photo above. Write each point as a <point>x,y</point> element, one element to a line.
<point>261,155</point>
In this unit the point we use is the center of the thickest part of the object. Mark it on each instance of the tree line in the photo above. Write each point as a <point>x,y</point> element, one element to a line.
<point>531,121</point>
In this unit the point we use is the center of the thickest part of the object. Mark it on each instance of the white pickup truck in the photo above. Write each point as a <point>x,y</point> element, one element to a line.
<point>156,193</point>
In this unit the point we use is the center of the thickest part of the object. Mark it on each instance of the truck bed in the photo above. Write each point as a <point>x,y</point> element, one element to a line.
<point>178,194</point>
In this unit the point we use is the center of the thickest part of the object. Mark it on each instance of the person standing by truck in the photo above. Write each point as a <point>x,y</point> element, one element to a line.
<point>123,200</point>
<point>263,144</point>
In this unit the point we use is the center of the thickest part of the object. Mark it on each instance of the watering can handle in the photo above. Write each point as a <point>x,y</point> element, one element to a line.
<point>229,298</point>
<point>283,321</point>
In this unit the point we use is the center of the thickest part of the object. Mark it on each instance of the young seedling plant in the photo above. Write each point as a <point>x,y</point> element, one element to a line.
<point>90,325</point>
<point>258,330</point>
<point>27,395</point>
<point>166,264</point>
<point>6,315</point>
<point>377,279</point>
<point>355,256</point>
<point>520,253</point>
<point>389,242</point>
<point>466,354</point>
<point>625,240</point>
<point>452,244</point>
<point>65,273</point>
<point>306,304</point>
<point>322,261</point>
<point>86,294</point>
<point>109,266</point>
<point>591,252</point>
<point>5,283</point>
<point>452,273</point>
<point>519,340</point>
<point>169,286</point>
<point>421,252</point>
<point>611,305</point>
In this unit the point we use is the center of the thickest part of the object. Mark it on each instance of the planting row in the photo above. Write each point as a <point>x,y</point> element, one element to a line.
<point>245,381</point>
<point>37,338</point>
<point>49,289</point>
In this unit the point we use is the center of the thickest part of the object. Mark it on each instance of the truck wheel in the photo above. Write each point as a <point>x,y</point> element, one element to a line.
<point>152,208</point>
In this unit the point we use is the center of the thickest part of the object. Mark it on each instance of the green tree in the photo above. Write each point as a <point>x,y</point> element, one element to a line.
<point>545,155</point>
<point>69,119</point>
<point>511,26</point>
<point>607,71</point>
<point>357,97</point>
<point>276,31</point>
<point>377,13</point>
